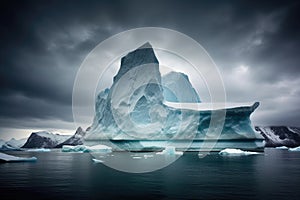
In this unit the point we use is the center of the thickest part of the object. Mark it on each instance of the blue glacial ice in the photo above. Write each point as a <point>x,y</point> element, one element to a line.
<point>177,88</point>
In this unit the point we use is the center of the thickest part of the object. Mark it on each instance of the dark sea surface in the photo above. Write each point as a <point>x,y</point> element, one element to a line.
<point>56,175</point>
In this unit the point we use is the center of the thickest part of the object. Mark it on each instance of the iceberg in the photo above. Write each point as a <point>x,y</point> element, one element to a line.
<point>236,152</point>
<point>142,107</point>
<point>86,149</point>
<point>136,157</point>
<point>294,149</point>
<point>282,147</point>
<point>99,149</point>
<point>9,158</point>
<point>170,150</point>
<point>39,150</point>
<point>12,145</point>
<point>69,148</point>
<point>97,160</point>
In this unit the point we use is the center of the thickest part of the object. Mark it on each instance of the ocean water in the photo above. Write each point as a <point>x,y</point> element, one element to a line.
<point>57,175</point>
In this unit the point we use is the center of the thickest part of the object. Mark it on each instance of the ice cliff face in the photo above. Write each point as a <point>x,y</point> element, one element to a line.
<point>280,135</point>
<point>177,88</point>
<point>134,107</point>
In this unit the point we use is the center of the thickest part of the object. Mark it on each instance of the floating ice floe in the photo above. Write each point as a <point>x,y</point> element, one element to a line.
<point>39,150</point>
<point>9,158</point>
<point>136,157</point>
<point>98,149</point>
<point>281,147</point>
<point>295,149</point>
<point>83,149</point>
<point>236,152</point>
<point>97,160</point>
<point>148,156</point>
<point>170,150</point>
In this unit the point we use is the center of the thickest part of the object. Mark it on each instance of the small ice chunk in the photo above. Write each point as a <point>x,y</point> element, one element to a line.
<point>39,150</point>
<point>136,157</point>
<point>170,150</point>
<point>9,158</point>
<point>236,152</point>
<point>281,147</point>
<point>97,160</point>
<point>69,148</point>
<point>148,156</point>
<point>295,149</point>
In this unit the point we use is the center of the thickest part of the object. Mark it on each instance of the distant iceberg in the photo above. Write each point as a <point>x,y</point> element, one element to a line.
<point>9,158</point>
<point>39,150</point>
<point>170,150</point>
<point>12,145</point>
<point>97,160</point>
<point>294,149</point>
<point>236,152</point>
<point>282,147</point>
<point>86,149</point>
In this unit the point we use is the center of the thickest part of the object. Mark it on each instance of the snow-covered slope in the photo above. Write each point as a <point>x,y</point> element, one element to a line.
<point>280,135</point>
<point>76,139</point>
<point>44,139</point>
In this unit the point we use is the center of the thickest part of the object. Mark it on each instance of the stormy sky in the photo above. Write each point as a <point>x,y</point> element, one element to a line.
<point>255,44</point>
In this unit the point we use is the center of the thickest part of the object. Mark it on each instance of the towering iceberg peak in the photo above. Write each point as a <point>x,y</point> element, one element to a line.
<point>141,56</point>
<point>147,45</point>
<point>177,88</point>
<point>135,91</point>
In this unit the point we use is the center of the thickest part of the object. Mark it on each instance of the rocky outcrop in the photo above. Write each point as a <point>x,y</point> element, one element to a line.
<point>44,139</point>
<point>76,139</point>
<point>276,136</point>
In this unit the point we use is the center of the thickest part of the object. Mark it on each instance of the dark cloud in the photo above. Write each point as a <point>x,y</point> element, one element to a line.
<point>44,42</point>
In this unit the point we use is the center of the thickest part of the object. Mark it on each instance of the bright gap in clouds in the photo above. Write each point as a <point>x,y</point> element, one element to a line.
<point>242,69</point>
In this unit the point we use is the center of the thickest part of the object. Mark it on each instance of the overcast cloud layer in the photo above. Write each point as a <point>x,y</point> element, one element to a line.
<point>254,44</point>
